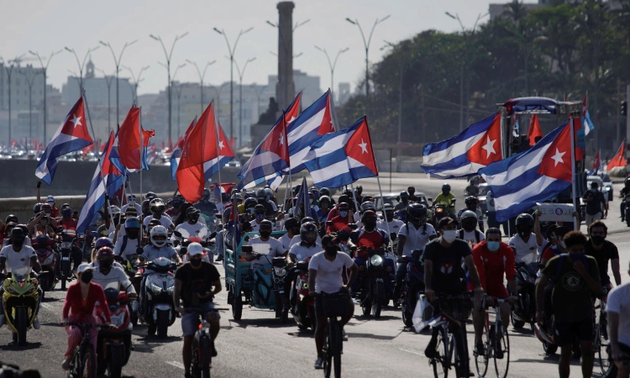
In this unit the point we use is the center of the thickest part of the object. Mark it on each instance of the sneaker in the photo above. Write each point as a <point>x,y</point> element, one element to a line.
<point>36,323</point>
<point>319,363</point>
<point>344,337</point>
<point>479,349</point>
<point>65,365</point>
<point>498,352</point>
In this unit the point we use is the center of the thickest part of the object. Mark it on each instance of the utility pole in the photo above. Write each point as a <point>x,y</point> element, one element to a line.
<point>240,98</point>
<point>117,64</point>
<point>109,81</point>
<point>201,77</point>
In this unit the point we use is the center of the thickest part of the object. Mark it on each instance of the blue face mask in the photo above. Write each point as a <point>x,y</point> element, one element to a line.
<point>260,216</point>
<point>494,245</point>
<point>343,214</point>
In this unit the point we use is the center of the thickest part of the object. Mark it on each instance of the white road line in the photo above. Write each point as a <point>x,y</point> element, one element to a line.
<point>412,352</point>
<point>176,364</point>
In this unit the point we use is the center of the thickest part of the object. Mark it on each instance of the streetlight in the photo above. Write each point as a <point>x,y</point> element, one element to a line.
<point>29,75</point>
<point>168,56</point>
<point>136,82</point>
<point>240,98</point>
<point>400,96</point>
<point>45,71</point>
<point>81,65</point>
<point>109,81</point>
<point>219,90</point>
<point>179,95</point>
<point>366,44</point>
<point>332,65</point>
<point>201,77</point>
<point>9,69</point>
<point>117,63</point>
<point>258,95</point>
<point>231,51</point>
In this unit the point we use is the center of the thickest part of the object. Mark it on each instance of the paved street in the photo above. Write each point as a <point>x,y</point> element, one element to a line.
<point>259,346</point>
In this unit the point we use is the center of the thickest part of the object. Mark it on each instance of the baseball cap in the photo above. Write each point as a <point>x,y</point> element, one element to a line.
<point>195,249</point>
<point>83,267</point>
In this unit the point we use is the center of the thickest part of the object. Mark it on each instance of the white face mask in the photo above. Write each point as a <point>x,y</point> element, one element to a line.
<point>449,235</point>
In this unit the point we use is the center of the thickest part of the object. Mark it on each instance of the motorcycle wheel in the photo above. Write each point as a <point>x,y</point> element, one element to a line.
<point>116,358</point>
<point>162,324</point>
<point>377,299</point>
<point>206,361</point>
<point>407,315</point>
<point>550,349</point>
<point>237,307</point>
<point>22,325</point>
<point>517,324</point>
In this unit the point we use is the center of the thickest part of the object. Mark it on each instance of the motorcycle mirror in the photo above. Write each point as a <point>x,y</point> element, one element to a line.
<point>177,233</point>
<point>212,235</point>
<point>430,199</point>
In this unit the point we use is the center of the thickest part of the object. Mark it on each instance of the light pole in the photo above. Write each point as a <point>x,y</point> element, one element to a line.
<point>9,69</point>
<point>29,75</point>
<point>240,98</point>
<point>117,63</point>
<point>179,95</point>
<point>109,81</point>
<point>168,56</point>
<point>366,44</point>
<point>136,82</point>
<point>258,95</point>
<point>202,75</point>
<point>332,65</point>
<point>81,65</point>
<point>232,51</point>
<point>45,72</point>
<point>219,90</point>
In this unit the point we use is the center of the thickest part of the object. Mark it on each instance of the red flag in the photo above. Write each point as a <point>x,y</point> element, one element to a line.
<point>598,160</point>
<point>146,135</point>
<point>359,150</point>
<point>556,162</point>
<point>488,149</point>
<point>129,140</point>
<point>534,130</point>
<point>233,142</point>
<point>619,160</point>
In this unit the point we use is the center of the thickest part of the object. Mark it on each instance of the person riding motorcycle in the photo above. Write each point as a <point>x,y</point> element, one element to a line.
<point>325,205</point>
<point>110,274</point>
<point>340,222</point>
<point>259,217</point>
<point>192,226</point>
<point>622,194</point>
<point>128,244</point>
<point>367,239</point>
<point>205,205</point>
<point>447,199</point>
<point>293,228</point>
<point>404,201</point>
<point>389,223</point>
<point>270,207</point>
<point>67,222</point>
<point>131,203</point>
<point>157,211</point>
<point>308,245</point>
<point>472,204</point>
<point>469,232</point>
<point>526,243</point>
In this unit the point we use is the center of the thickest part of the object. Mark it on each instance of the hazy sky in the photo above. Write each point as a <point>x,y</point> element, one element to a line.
<point>50,25</point>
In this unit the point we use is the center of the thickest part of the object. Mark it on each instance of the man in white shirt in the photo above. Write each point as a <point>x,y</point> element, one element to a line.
<point>272,247</point>
<point>308,246</point>
<point>127,245</point>
<point>526,243</point>
<point>192,226</point>
<point>618,310</point>
<point>469,232</point>
<point>388,223</point>
<point>293,228</point>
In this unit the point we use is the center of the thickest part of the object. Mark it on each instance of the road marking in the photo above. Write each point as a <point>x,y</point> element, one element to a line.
<point>176,364</point>
<point>412,352</point>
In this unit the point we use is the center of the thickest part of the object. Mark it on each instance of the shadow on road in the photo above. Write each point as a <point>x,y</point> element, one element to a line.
<point>271,323</point>
<point>369,317</point>
<point>28,346</point>
<point>368,336</point>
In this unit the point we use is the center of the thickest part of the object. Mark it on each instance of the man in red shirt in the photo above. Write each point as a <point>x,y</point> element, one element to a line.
<point>367,239</point>
<point>494,260</point>
<point>67,222</point>
<point>341,221</point>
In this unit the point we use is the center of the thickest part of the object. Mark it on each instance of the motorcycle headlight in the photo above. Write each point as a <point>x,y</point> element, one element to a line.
<point>66,245</point>
<point>305,285</point>
<point>376,260</point>
<point>12,290</point>
<point>155,288</point>
<point>280,271</point>
<point>118,320</point>
<point>170,290</point>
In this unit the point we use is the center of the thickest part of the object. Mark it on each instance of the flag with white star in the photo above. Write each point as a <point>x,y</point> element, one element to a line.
<point>535,175</point>
<point>71,136</point>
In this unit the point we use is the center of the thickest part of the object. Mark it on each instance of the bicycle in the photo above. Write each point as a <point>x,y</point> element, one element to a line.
<point>334,305</point>
<point>449,329</point>
<point>496,344</point>
<point>202,346</point>
<point>600,337</point>
<point>83,363</point>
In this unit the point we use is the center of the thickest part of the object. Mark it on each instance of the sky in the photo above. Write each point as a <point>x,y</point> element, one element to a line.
<point>47,26</point>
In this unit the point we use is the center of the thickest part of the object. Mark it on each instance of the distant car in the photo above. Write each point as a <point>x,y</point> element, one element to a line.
<point>394,199</point>
<point>607,185</point>
<point>606,189</point>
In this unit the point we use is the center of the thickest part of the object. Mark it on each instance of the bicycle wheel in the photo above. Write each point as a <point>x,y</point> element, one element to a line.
<point>327,350</point>
<point>600,347</point>
<point>441,360</point>
<point>462,356</point>
<point>206,357</point>
<point>336,347</point>
<point>481,360</point>
<point>88,363</point>
<point>501,353</point>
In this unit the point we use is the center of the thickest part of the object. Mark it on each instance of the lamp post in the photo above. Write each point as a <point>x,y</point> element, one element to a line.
<point>109,81</point>
<point>240,98</point>
<point>332,65</point>
<point>136,82</point>
<point>168,56</point>
<point>117,63</point>
<point>29,75</point>
<point>231,51</point>
<point>45,72</point>
<point>202,75</point>
<point>81,65</point>
<point>9,70</point>
<point>179,95</point>
<point>218,90</point>
<point>258,95</point>
<point>366,45</point>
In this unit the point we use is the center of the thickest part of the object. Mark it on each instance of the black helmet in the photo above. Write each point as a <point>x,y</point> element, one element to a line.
<point>446,187</point>
<point>250,202</point>
<point>404,194</point>
<point>308,232</point>
<point>290,223</point>
<point>260,209</point>
<point>266,224</point>
<point>11,218</point>
<point>626,182</point>
<point>18,233</point>
<point>157,205</point>
<point>307,220</point>
<point>325,198</point>
<point>261,195</point>
<point>365,206</point>
<point>103,242</point>
<point>525,219</point>
<point>150,196</point>
<point>416,211</point>
<point>37,208</point>
<point>471,200</point>
<point>469,220</point>
<point>324,191</point>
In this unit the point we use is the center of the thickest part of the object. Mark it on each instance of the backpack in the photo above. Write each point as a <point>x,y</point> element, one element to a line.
<point>561,261</point>
<point>477,235</point>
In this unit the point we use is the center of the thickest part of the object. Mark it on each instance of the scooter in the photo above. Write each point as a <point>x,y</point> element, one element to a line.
<point>67,251</point>
<point>413,287</point>
<point>378,283</point>
<point>20,300</point>
<point>114,345</point>
<point>524,310</point>
<point>279,274</point>
<point>47,257</point>
<point>159,283</point>
<point>302,304</point>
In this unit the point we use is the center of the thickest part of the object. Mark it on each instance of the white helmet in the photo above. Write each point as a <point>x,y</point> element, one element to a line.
<point>195,249</point>
<point>158,236</point>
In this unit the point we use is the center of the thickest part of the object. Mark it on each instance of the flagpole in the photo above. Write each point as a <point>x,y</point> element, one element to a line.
<point>141,153</point>
<point>218,136</point>
<point>576,226</point>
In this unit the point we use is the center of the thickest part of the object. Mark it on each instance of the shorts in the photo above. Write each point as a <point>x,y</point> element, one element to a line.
<point>565,333</point>
<point>319,306</point>
<point>190,320</point>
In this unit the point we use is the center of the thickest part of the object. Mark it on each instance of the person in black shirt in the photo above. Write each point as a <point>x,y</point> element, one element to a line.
<point>603,251</point>
<point>595,202</point>
<point>622,194</point>
<point>196,283</point>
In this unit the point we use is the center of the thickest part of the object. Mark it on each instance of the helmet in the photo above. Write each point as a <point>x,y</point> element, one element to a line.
<point>158,236</point>
<point>446,187</point>
<point>192,211</point>
<point>103,242</point>
<point>324,191</point>
<point>225,197</point>
<point>37,208</point>
<point>250,202</point>
<point>46,207</point>
<point>104,252</point>
<point>468,220</point>
<point>132,223</point>
<point>157,205</point>
<point>290,223</point>
<point>470,200</point>
<point>131,198</point>
<point>18,233</point>
<point>11,218</point>
<point>150,196</point>
<point>308,232</point>
<point>114,210</point>
<point>261,195</point>
<point>368,214</point>
<point>343,198</point>
<point>177,201</point>
<point>42,240</point>
<point>325,199</point>
<point>260,209</point>
<point>359,189</point>
<point>365,206</point>
<point>404,194</point>
<point>307,220</point>
<point>195,249</point>
<point>268,193</point>
<point>525,220</point>
<point>206,193</point>
<point>266,224</point>
<point>131,211</point>
<point>416,211</point>
<point>343,206</point>
<point>388,207</point>
<point>236,196</point>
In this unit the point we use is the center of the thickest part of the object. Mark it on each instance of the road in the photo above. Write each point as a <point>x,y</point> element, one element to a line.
<point>259,346</point>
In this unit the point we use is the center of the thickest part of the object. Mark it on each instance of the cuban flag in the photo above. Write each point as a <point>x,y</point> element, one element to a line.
<point>586,116</point>
<point>342,157</point>
<point>534,175</point>
<point>132,146</point>
<point>314,122</point>
<point>71,136</point>
<point>269,159</point>
<point>464,154</point>
<point>177,152</point>
<point>597,162</point>
<point>205,151</point>
<point>95,199</point>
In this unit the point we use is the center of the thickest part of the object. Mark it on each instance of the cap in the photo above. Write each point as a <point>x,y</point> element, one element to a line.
<point>83,267</point>
<point>50,199</point>
<point>195,249</point>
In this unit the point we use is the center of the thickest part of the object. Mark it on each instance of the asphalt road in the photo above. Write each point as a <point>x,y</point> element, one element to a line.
<point>259,346</point>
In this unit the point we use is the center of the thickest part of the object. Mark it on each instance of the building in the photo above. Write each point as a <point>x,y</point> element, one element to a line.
<point>343,93</point>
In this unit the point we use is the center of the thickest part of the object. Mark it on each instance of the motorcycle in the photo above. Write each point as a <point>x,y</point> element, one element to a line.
<point>114,345</point>
<point>279,274</point>
<point>378,281</point>
<point>159,283</point>
<point>524,310</point>
<point>302,304</point>
<point>183,240</point>
<point>67,250</point>
<point>626,202</point>
<point>20,300</point>
<point>47,257</point>
<point>413,286</point>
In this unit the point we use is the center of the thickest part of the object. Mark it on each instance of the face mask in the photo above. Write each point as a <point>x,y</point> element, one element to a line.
<point>67,214</point>
<point>493,246</point>
<point>132,234</point>
<point>195,262</point>
<point>265,234</point>
<point>331,251</point>
<point>524,233</point>
<point>193,220</point>
<point>324,206</point>
<point>106,264</point>
<point>598,239</point>
<point>370,224</point>
<point>343,214</point>
<point>449,235</point>
<point>260,216</point>
<point>86,277</point>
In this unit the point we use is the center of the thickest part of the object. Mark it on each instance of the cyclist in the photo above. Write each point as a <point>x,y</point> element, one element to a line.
<point>494,260</point>
<point>196,284</point>
<point>526,243</point>
<point>603,251</point>
<point>575,278</point>
<point>618,310</point>
<point>325,275</point>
